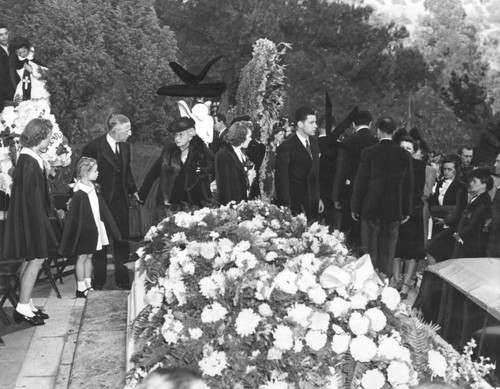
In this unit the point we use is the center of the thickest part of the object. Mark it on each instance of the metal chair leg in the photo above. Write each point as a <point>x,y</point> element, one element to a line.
<point>50,276</point>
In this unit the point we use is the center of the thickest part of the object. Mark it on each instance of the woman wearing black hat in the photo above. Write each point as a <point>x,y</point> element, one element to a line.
<point>185,168</point>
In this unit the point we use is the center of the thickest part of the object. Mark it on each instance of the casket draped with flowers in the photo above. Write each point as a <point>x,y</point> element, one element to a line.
<point>252,297</point>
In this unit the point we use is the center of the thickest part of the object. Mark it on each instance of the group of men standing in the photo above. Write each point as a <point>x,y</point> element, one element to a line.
<point>372,186</point>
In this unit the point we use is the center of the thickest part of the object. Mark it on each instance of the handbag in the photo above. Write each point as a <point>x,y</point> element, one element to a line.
<point>135,220</point>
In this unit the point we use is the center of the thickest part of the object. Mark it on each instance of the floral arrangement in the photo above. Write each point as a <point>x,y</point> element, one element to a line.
<point>14,118</point>
<point>261,92</point>
<point>255,298</point>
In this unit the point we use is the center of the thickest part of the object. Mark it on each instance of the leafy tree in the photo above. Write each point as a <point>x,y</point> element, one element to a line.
<point>102,56</point>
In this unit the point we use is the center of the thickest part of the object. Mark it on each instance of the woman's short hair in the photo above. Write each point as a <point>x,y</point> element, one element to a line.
<point>35,132</point>
<point>115,119</point>
<point>237,133</point>
<point>84,165</point>
<point>409,139</point>
<point>276,131</point>
<point>18,42</point>
<point>455,160</point>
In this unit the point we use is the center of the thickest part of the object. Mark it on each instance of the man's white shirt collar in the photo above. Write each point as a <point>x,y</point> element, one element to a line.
<point>111,142</point>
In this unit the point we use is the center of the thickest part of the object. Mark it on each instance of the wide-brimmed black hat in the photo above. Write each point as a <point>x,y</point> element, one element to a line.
<point>181,124</point>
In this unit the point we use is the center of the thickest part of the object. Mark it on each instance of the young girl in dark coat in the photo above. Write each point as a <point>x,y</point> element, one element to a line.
<point>85,226</point>
<point>28,232</point>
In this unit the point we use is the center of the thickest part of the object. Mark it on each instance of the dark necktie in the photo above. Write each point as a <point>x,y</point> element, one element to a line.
<point>308,147</point>
<point>117,150</point>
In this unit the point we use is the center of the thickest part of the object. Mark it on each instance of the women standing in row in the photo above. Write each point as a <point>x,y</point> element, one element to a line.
<point>28,233</point>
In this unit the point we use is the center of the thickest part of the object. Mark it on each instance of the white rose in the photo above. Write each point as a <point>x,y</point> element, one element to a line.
<point>358,324</point>
<point>377,319</point>
<point>265,310</point>
<point>340,343</point>
<point>338,306</point>
<point>363,349</point>
<point>437,363</point>
<point>316,339</point>
<point>285,280</point>
<point>373,379</point>
<point>398,373</point>
<point>390,297</point>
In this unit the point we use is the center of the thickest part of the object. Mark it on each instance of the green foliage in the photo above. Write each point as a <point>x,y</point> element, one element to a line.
<point>102,56</point>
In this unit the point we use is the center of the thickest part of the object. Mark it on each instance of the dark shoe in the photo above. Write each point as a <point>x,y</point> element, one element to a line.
<point>81,294</point>
<point>41,314</point>
<point>97,287</point>
<point>123,286</point>
<point>34,321</point>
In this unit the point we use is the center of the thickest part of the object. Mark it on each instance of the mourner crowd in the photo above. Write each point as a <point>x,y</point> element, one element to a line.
<point>378,184</point>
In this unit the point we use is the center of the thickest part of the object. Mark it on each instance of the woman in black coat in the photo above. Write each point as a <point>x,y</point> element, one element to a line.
<point>446,203</point>
<point>28,233</point>
<point>233,170</point>
<point>185,168</point>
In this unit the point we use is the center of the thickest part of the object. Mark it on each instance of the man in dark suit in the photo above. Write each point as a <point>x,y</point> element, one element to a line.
<point>219,131</point>
<point>297,167</point>
<point>493,225</point>
<point>345,171</point>
<point>382,195</point>
<point>117,184</point>
<point>7,86</point>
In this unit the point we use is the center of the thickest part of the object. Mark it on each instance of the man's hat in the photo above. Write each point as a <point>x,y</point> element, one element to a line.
<point>181,124</point>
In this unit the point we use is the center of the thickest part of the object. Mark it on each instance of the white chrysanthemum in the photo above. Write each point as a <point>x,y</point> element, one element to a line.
<point>398,373</point>
<point>377,319</point>
<point>373,379</point>
<point>178,237</point>
<point>371,290</point>
<point>300,314</point>
<point>285,280</point>
<point>274,354</point>
<point>275,384</point>
<point>310,263</point>
<point>358,323</point>
<point>208,288</point>
<point>265,310</point>
<point>437,363</point>
<point>283,337</point>
<point>317,294</point>
<point>316,339</point>
<point>195,333</point>
<point>246,322</point>
<point>389,349</point>
<point>213,313</point>
<point>245,260</point>
<point>224,246</point>
<point>275,224</point>
<point>306,281</point>
<point>363,349</point>
<point>271,256</point>
<point>358,301</point>
<point>390,297</point>
<point>213,364</point>
<point>208,250</point>
<point>340,343</point>
<point>155,296</point>
<point>319,321</point>
<point>338,306</point>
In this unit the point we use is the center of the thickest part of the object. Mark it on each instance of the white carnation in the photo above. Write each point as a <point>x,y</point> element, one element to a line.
<point>155,297</point>
<point>358,323</point>
<point>245,260</point>
<point>390,297</point>
<point>213,313</point>
<point>338,306</point>
<point>317,294</point>
<point>319,321</point>
<point>208,250</point>
<point>283,337</point>
<point>246,322</point>
<point>437,363</point>
<point>195,333</point>
<point>358,301</point>
<point>340,343</point>
<point>363,349</point>
<point>213,364</point>
<point>316,339</point>
<point>300,314</point>
<point>208,288</point>
<point>377,319</point>
<point>373,379</point>
<point>265,310</point>
<point>285,280</point>
<point>398,373</point>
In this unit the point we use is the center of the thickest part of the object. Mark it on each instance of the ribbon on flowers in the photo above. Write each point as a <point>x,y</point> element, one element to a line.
<point>354,274</point>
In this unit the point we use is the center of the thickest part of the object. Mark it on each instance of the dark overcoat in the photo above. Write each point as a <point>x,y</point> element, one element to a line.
<point>230,175</point>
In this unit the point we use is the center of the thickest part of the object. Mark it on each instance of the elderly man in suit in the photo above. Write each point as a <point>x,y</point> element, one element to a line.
<point>345,171</point>
<point>117,184</point>
<point>297,167</point>
<point>7,86</point>
<point>382,195</point>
